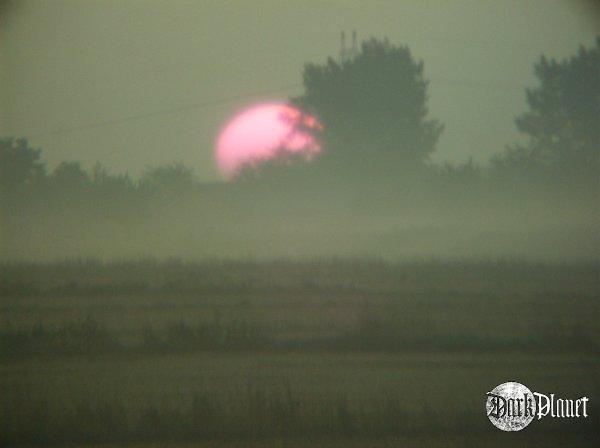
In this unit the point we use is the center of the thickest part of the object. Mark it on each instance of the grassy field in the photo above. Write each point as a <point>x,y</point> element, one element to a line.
<point>292,353</point>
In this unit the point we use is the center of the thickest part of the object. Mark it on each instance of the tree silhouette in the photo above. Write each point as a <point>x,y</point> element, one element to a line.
<point>171,178</point>
<point>563,120</point>
<point>108,184</point>
<point>20,166</point>
<point>70,177</point>
<point>373,104</point>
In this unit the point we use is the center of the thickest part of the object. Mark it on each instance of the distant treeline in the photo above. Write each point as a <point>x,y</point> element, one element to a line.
<point>25,181</point>
<point>374,111</point>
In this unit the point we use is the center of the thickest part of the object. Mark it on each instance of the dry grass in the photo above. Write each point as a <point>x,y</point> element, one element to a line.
<point>348,353</point>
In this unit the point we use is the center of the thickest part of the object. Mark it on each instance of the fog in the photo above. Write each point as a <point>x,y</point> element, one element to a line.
<point>412,219</point>
<point>438,156</point>
<point>306,215</point>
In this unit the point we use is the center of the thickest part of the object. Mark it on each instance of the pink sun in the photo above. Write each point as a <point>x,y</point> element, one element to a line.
<point>262,132</point>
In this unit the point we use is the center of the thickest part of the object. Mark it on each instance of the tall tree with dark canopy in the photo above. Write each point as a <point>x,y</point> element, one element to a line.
<point>563,120</point>
<point>372,106</point>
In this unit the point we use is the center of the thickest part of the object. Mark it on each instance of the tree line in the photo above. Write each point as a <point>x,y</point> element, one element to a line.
<point>376,123</point>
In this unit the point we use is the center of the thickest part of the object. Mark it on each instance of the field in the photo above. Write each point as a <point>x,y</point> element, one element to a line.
<point>339,352</point>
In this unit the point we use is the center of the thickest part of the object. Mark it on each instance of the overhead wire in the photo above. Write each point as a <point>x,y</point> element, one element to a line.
<point>225,100</point>
<point>173,110</point>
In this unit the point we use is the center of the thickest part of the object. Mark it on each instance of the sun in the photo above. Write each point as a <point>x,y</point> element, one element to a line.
<point>262,132</point>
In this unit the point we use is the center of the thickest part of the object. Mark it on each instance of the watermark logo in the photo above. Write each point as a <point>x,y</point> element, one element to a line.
<point>512,406</point>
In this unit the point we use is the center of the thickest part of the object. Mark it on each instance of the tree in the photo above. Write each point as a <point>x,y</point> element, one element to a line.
<point>20,166</point>
<point>172,178</point>
<point>70,177</point>
<point>563,120</point>
<point>109,184</point>
<point>372,104</point>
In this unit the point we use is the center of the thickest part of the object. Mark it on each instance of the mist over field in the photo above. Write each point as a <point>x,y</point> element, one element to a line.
<point>313,215</point>
<point>239,224</point>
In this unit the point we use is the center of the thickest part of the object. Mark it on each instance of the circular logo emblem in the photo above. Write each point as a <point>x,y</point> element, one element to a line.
<point>510,406</point>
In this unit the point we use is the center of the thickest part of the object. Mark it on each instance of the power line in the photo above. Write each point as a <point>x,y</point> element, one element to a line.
<point>155,113</point>
<point>202,105</point>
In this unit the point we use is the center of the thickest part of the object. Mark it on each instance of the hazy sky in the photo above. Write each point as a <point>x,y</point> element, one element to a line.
<point>77,64</point>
